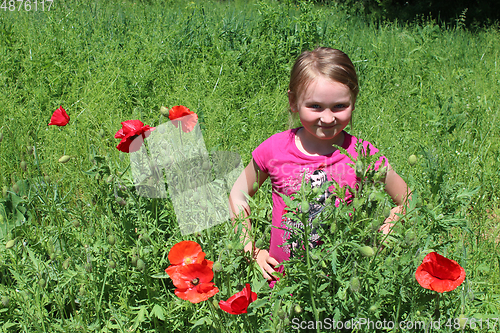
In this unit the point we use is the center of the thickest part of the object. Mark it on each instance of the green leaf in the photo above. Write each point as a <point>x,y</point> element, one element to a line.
<point>288,201</point>
<point>257,286</point>
<point>158,311</point>
<point>323,287</point>
<point>141,316</point>
<point>162,275</point>
<point>259,303</point>
<point>334,262</point>
<point>8,325</point>
<point>16,200</point>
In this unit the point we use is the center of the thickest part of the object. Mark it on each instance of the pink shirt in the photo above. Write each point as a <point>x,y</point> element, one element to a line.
<point>279,157</point>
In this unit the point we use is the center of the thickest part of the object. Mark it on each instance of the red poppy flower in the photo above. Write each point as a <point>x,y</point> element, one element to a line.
<point>59,117</point>
<point>132,133</point>
<point>185,253</point>
<point>193,282</point>
<point>439,273</point>
<point>239,302</point>
<point>187,118</point>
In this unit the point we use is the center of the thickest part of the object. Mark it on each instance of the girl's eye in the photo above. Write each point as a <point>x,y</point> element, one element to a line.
<point>340,106</point>
<point>315,106</point>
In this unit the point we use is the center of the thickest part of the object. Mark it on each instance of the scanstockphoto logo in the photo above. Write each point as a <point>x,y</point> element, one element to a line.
<point>177,162</point>
<point>363,324</point>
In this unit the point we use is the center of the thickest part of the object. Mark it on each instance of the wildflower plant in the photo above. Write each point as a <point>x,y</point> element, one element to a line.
<point>85,243</point>
<point>356,271</point>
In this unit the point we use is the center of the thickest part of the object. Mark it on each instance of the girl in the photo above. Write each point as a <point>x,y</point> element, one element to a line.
<point>322,91</point>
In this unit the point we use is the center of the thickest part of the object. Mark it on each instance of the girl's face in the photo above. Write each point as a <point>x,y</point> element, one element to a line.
<point>325,108</point>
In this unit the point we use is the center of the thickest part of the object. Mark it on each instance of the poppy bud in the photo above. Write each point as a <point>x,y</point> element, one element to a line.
<point>42,283</point>
<point>366,251</point>
<point>102,133</point>
<point>470,295</point>
<point>81,291</point>
<point>30,150</point>
<point>134,260</point>
<point>111,240</point>
<point>140,264</point>
<point>112,264</point>
<point>145,238</point>
<point>217,266</point>
<point>23,165</point>
<point>297,309</point>
<point>373,308</point>
<point>354,284</point>
<point>412,160</point>
<point>64,158</point>
<point>88,267</point>
<point>10,244</point>
<point>66,263</point>
<point>4,191</point>
<point>121,201</point>
<point>255,186</point>
<point>164,111</point>
<point>109,179</point>
<point>304,206</point>
<point>281,314</point>
<point>5,301</point>
<point>215,303</point>
<point>410,237</point>
<point>229,246</point>
<point>462,321</point>
<point>76,223</point>
<point>359,168</point>
<point>15,188</point>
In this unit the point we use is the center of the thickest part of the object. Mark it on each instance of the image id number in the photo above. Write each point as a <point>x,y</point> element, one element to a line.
<point>26,5</point>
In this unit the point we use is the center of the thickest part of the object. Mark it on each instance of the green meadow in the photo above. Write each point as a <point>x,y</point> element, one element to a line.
<point>82,251</point>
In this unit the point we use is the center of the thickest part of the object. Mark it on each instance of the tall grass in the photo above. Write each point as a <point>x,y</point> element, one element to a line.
<point>426,89</point>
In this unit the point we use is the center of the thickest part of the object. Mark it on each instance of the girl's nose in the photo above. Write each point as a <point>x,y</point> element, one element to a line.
<point>327,117</point>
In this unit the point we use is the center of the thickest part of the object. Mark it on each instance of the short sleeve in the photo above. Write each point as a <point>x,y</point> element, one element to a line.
<point>260,156</point>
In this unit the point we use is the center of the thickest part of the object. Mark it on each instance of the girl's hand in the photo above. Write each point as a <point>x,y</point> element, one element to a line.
<point>266,263</point>
<point>389,222</point>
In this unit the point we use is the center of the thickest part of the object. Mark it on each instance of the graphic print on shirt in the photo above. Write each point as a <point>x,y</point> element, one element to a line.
<point>316,179</point>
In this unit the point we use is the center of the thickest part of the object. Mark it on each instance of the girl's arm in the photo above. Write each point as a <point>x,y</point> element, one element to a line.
<point>239,207</point>
<point>397,189</point>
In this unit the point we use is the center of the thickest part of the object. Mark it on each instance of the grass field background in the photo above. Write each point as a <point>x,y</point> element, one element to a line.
<point>426,88</point>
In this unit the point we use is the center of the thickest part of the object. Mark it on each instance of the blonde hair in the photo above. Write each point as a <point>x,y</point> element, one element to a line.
<point>332,63</point>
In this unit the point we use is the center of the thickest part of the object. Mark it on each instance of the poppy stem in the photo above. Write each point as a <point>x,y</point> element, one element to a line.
<point>437,312</point>
<point>214,317</point>
<point>308,263</point>
<point>304,217</point>
<point>180,133</point>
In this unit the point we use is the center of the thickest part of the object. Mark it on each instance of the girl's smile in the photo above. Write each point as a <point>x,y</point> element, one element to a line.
<point>325,108</point>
